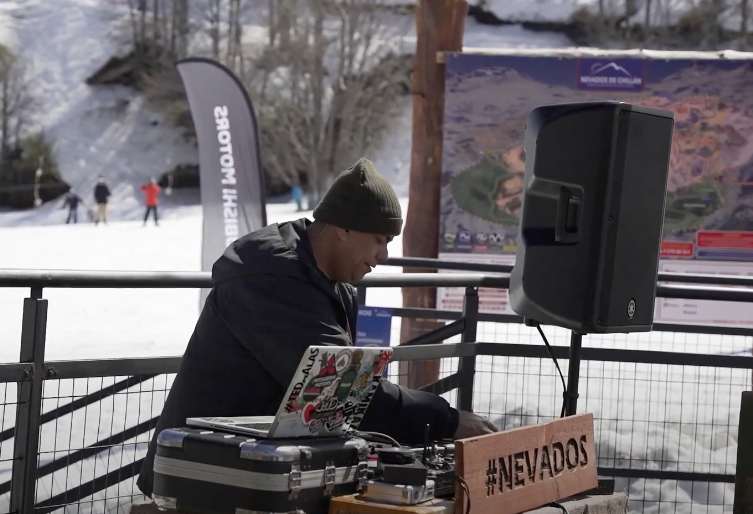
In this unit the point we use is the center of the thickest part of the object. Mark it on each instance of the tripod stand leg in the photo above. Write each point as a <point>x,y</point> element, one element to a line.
<point>573,374</point>
<point>606,484</point>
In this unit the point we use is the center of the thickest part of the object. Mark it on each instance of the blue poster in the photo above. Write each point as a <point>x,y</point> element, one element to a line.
<point>374,328</point>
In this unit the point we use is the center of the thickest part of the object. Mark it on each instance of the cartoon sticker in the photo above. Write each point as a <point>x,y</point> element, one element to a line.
<point>362,383</point>
<point>349,375</point>
<point>343,361</point>
<point>381,361</point>
<point>326,376</point>
<point>315,425</point>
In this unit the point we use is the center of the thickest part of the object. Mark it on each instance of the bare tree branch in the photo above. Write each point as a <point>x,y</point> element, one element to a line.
<point>16,103</point>
<point>325,76</point>
<point>335,79</point>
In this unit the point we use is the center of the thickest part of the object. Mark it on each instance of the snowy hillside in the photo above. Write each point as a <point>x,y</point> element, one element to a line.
<point>94,129</point>
<point>104,129</point>
<point>560,10</point>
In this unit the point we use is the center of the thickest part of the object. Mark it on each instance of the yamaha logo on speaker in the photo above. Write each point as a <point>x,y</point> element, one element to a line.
<point>631,308</point>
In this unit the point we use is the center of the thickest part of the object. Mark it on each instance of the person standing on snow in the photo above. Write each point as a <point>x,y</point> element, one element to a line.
<point>151,193</point>
<point>296,193</point>
<point>71,201</point>
<point>101,195</point>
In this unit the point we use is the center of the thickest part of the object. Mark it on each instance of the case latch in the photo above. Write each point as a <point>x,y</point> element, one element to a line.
<point>294,480</point>
<point>362,474</point>
<point>330,474</point>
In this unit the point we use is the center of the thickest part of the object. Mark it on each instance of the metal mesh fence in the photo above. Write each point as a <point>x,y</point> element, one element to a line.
<point>103,433</point>
<point>713,344</point>
<point>9,395</point>
<point>647,417</point>
<point>101,429</point>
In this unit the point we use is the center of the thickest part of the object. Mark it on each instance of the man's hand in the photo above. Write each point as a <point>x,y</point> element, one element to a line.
<point>472,425</point>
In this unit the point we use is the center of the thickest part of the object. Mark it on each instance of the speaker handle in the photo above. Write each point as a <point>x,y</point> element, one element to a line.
<point>569,207</point>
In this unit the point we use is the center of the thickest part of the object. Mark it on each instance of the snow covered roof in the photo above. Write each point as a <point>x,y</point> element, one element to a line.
<point>599,52</point>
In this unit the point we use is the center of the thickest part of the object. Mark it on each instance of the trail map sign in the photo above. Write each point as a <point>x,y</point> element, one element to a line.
<point>708,226</point>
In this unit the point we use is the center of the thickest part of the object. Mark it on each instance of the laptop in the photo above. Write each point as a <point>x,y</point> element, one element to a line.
<point>328,396</point>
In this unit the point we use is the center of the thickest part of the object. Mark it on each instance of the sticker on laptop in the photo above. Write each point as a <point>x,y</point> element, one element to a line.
<point>333,388</point>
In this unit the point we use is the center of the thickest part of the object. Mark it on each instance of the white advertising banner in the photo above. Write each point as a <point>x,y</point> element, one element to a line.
<point>491,301</point>
<point>705,312</point>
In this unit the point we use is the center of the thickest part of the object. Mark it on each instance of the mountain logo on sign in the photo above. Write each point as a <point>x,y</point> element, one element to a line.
<point>597,68</point>
<point>617,74</point>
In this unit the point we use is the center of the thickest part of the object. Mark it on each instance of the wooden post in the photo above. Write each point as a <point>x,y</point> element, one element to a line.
<point>439,27</point>
<point>744,471</point>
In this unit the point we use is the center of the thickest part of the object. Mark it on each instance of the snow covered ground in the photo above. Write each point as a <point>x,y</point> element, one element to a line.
<point>672,418</point>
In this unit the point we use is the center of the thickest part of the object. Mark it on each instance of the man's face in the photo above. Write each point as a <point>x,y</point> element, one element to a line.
<point>358,253</point>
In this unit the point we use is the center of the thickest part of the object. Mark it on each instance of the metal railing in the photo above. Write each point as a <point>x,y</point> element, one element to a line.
<point>33,371</point>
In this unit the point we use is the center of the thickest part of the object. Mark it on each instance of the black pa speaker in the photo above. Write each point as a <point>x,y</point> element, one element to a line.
<point>592,215</point>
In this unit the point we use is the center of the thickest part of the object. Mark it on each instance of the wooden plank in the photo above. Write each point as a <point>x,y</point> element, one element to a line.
<point>354,504</point>
<point>521,469</point>
<point>744,470</point>
<point>439,27</point>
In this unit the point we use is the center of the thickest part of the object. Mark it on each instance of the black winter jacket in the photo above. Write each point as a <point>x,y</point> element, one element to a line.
<point>268,303</point>
<point>101,193</point>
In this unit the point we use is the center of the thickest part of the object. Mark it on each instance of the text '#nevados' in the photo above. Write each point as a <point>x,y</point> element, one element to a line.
<point>528,467</point>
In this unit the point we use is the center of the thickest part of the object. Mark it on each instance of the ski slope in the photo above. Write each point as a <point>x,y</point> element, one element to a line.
<point>95,130</point>
<point>664,418</point>
<point>110,130</point>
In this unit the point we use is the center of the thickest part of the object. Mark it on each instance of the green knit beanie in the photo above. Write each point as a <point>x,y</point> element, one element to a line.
<point>361,199</point>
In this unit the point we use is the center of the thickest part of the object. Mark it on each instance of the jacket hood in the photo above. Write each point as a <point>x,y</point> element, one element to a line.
<point>273,250</point>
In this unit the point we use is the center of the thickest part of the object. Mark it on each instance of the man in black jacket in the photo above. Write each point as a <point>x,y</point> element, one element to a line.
<point>283,288</point>
<point>101,195</point>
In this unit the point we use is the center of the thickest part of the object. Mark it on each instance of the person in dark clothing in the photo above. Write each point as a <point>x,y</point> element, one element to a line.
<point>285,287</point>
<point>71,201</point>
<point>101,195</point>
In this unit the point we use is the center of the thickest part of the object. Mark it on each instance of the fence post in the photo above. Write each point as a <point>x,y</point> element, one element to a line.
<point>744,470</point>
<point>467,366</point>
<point>28,413</point>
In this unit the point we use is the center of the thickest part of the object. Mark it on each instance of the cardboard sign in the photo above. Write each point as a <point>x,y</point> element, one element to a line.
<point>521,469</point>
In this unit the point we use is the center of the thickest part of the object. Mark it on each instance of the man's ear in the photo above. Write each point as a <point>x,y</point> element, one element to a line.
<point>343,234</point>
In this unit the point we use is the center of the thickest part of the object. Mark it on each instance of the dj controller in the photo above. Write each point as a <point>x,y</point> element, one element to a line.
<point>411,475</point>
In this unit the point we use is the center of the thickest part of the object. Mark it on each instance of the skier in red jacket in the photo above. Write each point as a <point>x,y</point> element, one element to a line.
<point>151,193</point>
